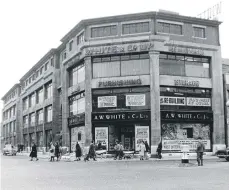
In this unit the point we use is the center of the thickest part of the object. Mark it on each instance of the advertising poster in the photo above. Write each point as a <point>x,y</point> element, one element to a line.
<point>168,100</point>
<point>101,136</point>
<point>174,135</point>
<point>141,133</point>
<point>135,100</point>
<point>107,101</point>
<point>199,102</point>
<point>73,138</point>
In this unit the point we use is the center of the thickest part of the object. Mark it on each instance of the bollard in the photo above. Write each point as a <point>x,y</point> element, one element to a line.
<point>185,150</point>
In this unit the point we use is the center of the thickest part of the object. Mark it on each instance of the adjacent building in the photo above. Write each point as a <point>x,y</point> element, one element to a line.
<point>146,76</point>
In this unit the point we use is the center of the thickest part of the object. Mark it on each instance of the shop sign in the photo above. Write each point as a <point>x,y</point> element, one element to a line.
<point>186,50</point>
<point>114,83</point>
<point>186,116</point>
<point>198,102</point>
<point>177,144</point>
<point>168,100</point>
<point>119,48</point>
<point>101,136</point>
<point>141,134</point>
<point>76,120</point>
<point>135,100</point>
<point>187,83</point>
<point>123,116</point>
<point>107,101</point>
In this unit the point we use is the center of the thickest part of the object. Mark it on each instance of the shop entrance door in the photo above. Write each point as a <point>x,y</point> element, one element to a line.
<point>128,137</point>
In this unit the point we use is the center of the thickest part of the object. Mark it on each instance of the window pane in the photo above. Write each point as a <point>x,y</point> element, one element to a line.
<point>81,105</point>
<point>172,67</point>
<point>81,74</point>
<point>74,78</point>
<point>197,69</point>
<point>106,69</point>
<point>135,67</point>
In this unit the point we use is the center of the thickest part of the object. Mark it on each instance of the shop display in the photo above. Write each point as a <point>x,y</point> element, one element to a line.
<point>141,134</point>
<point>101,136</point>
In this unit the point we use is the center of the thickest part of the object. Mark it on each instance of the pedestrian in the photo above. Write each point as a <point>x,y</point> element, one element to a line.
<point>159,149</point>
<point>117,150</point>
<point>142,150</point>
<point>91,152</point>
<point>121,154</point>
<point>200,151</point>
<point>33,153</point>
<point>57,151</point>
<point>51,152</point>
<point>78,152</point>
<point>147,150</point>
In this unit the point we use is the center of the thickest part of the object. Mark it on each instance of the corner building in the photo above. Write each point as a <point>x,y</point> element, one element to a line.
<point>152,76</point>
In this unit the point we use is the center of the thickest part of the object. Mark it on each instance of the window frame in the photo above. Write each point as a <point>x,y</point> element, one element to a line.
<point>199,26</point>
<point>170,22</point>
<point>70,45</point>
<point>82,32</point>
<point>103,25</point>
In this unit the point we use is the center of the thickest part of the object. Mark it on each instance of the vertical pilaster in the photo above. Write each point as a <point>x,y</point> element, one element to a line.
<point>155,100</point>
<point>88,100</point>
<point>217,101</point>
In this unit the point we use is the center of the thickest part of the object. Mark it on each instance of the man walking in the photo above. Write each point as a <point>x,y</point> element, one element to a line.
<point>200,151</point>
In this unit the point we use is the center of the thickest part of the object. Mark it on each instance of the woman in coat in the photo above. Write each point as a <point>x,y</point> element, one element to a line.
<point>147,150</point>
<point>78,152</point>
<point>52,152</point>
<point>159,149</point>
<point>91,152</point>
<point>33,153</point>
<point>57,151</point>
<point>142,150</point>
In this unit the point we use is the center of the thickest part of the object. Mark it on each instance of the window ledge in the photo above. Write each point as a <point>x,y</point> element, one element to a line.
<point>170,34</point>
<point>199,38</point>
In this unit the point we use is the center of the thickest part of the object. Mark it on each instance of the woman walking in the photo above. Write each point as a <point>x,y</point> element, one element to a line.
<point>51,152</point>
<point>142,150</point>
<point>91,152</point>
<point>33,153</point>
<point>78,152</point>
<point>57,151</point>
<point>159,149</point>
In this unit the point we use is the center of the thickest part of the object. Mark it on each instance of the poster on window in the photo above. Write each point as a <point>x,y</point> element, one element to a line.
<point>199,102</point>
<point>101,136</point>
<point>174,135</point>
<point>168,100</point>
<point>141,134</point>
<point>107,101</point>
<point>73,138</point>
<point>135,100</point>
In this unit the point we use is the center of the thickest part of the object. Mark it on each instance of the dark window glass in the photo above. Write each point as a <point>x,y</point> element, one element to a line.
<point>199,32</point>
<point>135,28</point>
<point>169,28</point>
<point>104,31</point>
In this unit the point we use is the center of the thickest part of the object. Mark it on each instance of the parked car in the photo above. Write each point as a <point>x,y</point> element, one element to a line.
<point>223,153</point>
<point>9,150</point>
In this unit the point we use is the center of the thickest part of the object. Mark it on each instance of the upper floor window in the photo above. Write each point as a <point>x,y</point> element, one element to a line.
<point>48,114</point>
<point>80,38</point>
<point>133,28</point>
<point>25,121</point>
<point>51,62</point>
<point>63,55</point>
<point>41,70</point>
<point>170,28</point>
<point>104,31</point>
<point>48,90</point>
<point>199,32</point>
<point>40,117</point>
<point>14,126</point>
<point>46,66</point>
<point>37,73</point>
<point>77,75</point>
<point>32,100</point>
<point>125,65</point>
<point>70,45</point>
<point>77,104</point>
<point>40,96</point>
<point>180,65</point>
<point>25,104</point>
<point>32,119</point>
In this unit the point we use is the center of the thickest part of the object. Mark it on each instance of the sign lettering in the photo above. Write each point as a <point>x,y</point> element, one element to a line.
<point>186,50</point>
<point>119,83</point>
<point>186,83</point>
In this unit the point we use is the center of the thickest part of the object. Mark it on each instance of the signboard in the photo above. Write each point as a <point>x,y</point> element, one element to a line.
<point>135,100</point>
<point>101,136</point>
<point>114,83</point>
<point>141,134</point>
<point>107,101</point>
<point>76,119</point>
<point>121,116</point>
<point>212,12</point>
<point>119,48</point>
<point>186,116</point>
<point>198,102</point>
<point>177,144</point>
<point>186,50</point>
<point>187,83</point>
<point>168,100</point>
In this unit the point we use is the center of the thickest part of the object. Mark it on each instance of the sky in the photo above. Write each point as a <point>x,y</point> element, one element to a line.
<point>29,29</point>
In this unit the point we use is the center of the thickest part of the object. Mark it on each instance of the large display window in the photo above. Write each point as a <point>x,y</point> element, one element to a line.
<point>174,135</point>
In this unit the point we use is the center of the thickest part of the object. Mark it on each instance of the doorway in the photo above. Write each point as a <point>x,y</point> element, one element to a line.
<point>127,137</point>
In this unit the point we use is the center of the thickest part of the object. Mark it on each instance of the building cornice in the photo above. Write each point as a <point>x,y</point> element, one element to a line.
<point>9,91</point>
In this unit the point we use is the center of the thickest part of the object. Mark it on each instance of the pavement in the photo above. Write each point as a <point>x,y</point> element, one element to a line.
<point>17,172</point>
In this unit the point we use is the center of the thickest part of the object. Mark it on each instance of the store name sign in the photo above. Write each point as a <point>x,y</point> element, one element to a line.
<point>186,50</point>
<point>114,83</point>
<point>187,83</point>
<point>186,116</point>
<point>119,48</point>
<point>121,116</point>
<point>167,100</point>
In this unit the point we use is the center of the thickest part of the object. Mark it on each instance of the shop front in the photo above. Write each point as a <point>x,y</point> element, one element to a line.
<point>121,114</point>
